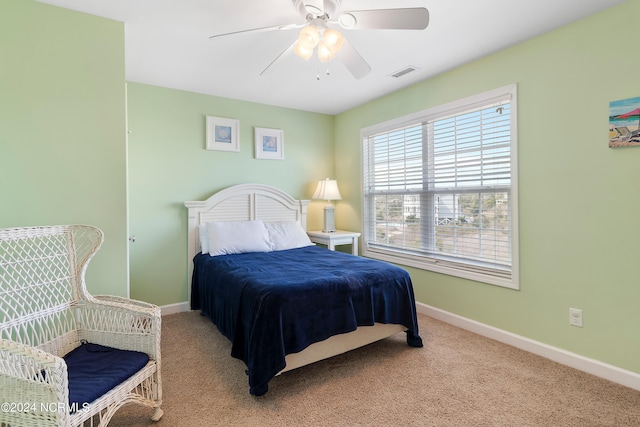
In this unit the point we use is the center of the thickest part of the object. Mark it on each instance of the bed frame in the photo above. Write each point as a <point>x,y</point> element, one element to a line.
<point>245,202</point>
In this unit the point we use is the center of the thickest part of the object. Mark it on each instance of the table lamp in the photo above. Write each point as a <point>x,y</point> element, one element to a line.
<point>328,190</point>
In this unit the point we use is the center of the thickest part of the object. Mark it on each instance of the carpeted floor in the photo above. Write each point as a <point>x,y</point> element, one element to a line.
<point>457,379</point>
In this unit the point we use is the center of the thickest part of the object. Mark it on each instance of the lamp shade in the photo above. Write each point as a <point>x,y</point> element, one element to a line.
<point>327,190</point>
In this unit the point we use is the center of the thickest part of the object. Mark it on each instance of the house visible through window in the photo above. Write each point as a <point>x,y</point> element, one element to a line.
<point>440,189</point>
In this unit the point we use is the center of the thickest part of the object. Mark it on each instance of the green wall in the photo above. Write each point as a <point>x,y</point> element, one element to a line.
<point>578,201</point>
<point>168,165</point>
<point>62,128</point>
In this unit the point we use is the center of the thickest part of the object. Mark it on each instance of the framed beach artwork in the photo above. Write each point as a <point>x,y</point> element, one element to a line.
<point>624,123</point>
<point>269,143</point>
<point>223,134</point>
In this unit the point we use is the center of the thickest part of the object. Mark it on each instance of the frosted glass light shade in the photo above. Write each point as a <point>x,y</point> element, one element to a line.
<point>328,44</point>
<point>324,53</point>
<point>309,37</point>
<point>333,40</point>
<point>307,41</point>
<point>303,51</point>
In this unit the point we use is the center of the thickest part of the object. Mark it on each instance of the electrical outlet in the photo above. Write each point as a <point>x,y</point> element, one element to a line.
<point>575,317</point>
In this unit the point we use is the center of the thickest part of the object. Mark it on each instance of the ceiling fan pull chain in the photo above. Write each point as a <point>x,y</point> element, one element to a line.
<point>327,72</point>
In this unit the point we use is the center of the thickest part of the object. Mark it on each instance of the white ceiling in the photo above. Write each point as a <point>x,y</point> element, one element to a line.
<point>167,44</point>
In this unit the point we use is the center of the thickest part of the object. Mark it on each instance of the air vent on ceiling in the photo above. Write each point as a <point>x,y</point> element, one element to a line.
<point>403,72</point>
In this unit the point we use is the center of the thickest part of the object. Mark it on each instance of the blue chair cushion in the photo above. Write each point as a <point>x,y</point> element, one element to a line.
<point>95,369</point>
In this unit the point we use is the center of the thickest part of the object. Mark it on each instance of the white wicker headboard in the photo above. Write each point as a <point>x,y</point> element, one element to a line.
<point>241,202</point>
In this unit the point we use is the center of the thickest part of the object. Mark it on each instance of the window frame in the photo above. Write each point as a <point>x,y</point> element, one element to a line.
<point>438,264</point>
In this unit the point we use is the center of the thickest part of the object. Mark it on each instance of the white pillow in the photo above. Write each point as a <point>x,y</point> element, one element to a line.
<point>203,236</point>
<point>287,235</point>
<point>236,237</point>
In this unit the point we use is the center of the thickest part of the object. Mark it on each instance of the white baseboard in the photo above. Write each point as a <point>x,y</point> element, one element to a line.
<point>178,307</point>
<point>600,369</point>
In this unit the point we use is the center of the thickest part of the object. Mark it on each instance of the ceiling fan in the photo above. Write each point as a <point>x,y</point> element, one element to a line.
<point>319,33</point>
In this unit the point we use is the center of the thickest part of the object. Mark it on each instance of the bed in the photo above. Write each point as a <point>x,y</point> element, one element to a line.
<point>282,301</point>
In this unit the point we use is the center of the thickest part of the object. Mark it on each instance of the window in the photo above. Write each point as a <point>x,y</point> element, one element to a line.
<point>440,189</point>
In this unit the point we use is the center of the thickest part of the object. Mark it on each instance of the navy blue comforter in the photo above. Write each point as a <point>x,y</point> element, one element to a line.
<point>275,303</point>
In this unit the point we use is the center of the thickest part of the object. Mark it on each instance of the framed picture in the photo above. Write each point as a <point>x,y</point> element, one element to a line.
<point>223,134</point>
<point>624,123</point>
<point>269,143</point>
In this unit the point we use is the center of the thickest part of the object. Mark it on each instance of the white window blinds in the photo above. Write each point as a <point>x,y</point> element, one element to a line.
<point>439,189</point>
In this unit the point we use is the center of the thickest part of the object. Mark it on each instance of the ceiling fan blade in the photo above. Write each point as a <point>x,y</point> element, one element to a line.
<point>414,18</point>
<point>287,51</point>
<point>354,62</point>
<point>272,27</point>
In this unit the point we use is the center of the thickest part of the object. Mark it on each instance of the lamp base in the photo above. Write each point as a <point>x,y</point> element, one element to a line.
<point>329,219</point>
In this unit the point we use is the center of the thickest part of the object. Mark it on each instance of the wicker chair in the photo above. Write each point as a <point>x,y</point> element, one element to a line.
<point>46,312</point>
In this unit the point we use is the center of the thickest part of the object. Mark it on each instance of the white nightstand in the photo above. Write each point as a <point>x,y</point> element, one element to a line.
<point>334,238</point>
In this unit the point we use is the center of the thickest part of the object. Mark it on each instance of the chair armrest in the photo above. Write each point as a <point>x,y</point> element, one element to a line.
<point>121,323</point>
<point>126,301</point>
<point>32,381</point>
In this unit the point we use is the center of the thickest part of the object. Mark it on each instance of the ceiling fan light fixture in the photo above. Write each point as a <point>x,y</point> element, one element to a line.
<point>309,37</point>
<point>324,53</point>
<point>303,51</point>
<point>333,40</point>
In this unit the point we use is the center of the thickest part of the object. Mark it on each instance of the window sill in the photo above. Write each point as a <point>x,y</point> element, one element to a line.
<point>429,264</point>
